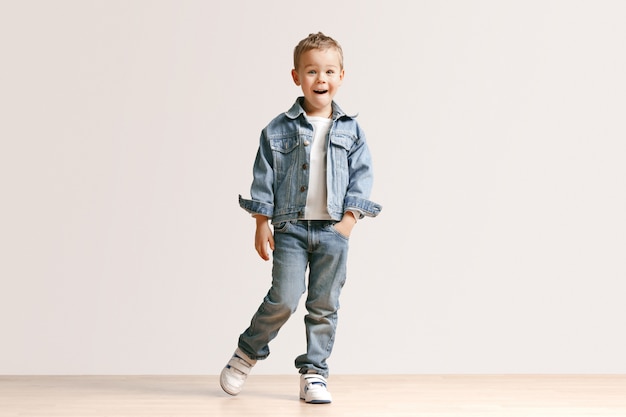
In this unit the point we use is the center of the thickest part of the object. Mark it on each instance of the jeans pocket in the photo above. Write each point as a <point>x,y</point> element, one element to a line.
<point>281,227</point>
<point>338,233</point>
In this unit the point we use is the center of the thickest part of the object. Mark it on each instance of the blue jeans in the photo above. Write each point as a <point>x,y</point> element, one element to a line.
<point>298,244</point>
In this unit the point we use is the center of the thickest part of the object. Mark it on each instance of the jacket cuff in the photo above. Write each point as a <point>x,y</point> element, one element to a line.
<point>256,207</point>
<point>362,206</point>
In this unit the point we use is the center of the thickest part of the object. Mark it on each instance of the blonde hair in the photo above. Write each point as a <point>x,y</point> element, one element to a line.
<point>316,41</point>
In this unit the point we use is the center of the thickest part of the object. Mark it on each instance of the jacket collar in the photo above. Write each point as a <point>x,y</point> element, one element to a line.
<point>296,110</point>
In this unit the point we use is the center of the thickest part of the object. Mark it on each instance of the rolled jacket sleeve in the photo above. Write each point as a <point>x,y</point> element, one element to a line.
<point>256,207</point>
<point>360,180</point>
<point>262,189</point>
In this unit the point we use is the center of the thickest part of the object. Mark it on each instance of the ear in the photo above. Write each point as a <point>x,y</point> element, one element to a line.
<point>296,79</point>
<point>341,74</point>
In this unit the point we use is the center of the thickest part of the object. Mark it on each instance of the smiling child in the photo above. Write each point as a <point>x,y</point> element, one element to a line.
<point>312,178</point>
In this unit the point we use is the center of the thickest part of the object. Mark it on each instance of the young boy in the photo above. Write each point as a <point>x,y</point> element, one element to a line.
<point>312,179</point>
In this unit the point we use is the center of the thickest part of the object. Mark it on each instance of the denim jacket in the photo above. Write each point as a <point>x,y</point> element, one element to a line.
<point>281,174</point>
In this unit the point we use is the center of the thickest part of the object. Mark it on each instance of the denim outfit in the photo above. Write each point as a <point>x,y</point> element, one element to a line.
<point>279,191</point>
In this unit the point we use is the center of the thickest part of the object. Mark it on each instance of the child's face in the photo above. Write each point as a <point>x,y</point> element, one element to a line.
<point>319,73</point>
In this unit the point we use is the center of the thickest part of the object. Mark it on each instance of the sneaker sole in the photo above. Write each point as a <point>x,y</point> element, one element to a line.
<point>316,401</point>
<point>227,391</point>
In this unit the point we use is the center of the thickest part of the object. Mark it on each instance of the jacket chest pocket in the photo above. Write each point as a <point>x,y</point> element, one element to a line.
<point>284,152</point>
<point>340,147</point>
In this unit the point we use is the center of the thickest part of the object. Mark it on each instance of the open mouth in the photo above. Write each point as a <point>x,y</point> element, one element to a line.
<point>320,91</point>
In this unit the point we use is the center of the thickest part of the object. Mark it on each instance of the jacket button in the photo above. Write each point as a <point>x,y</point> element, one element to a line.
<point>305,166</point>
<point>303,188</point>
<point>306,143</point>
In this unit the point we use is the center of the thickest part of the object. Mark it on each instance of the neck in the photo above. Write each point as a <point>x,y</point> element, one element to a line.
<point>328,115</point>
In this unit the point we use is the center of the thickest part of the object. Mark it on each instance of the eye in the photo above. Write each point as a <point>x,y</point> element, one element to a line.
<point>312,72</point>
<point>330,72</point>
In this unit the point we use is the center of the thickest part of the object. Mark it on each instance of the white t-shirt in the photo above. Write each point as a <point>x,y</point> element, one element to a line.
<point>316,200</point>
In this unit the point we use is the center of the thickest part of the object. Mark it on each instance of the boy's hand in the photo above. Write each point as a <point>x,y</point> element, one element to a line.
<point>263,237</point>
<point>346,224</point>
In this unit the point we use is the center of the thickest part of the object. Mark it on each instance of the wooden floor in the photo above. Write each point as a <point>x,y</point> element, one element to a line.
<point>276,396</point>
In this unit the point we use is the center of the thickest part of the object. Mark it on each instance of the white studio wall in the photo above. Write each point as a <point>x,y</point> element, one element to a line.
<point>127,130</point>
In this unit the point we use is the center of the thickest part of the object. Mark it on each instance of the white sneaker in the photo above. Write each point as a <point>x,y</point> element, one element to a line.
<point>235,372</point>
<point>313,389</point>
